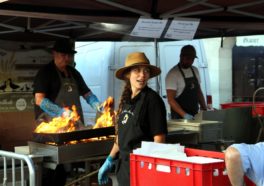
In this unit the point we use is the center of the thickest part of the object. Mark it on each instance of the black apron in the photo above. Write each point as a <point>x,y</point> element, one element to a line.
<point>130,136</point>
<point>188,100</point>
<point>68,95</point>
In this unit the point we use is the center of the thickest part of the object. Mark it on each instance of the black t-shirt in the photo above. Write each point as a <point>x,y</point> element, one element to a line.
<point>152,115</point>
<point>47,81</point>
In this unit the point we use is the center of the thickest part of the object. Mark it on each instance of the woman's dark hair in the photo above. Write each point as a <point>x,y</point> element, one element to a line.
<point>126,96</point>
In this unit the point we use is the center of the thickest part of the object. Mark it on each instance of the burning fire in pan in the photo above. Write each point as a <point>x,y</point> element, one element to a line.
<point>71,123</point>
<point>107,117</point>
<point>59,124</point>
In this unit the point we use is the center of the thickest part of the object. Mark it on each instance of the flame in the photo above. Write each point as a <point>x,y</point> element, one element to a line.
<point>60,124</point>
<point>68,124</point>
<point>108,115</point>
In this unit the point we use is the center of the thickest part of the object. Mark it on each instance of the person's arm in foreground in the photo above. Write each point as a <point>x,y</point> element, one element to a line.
<point>160,138</point>
<point>234,166</point>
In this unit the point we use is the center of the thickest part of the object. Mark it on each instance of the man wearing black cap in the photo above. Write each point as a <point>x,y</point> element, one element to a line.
<point>184,93</point>
<point>58,85</point>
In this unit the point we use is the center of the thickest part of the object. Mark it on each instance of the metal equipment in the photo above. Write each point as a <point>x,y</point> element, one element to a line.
<point>62,138</point>
<point>260,120</point>
<point>208,131</point>
<point>88,146</point>
<point>71,152</point>
<point>26,166</point>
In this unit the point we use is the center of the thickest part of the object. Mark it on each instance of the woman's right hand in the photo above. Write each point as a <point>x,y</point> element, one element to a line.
<point>104,170</point>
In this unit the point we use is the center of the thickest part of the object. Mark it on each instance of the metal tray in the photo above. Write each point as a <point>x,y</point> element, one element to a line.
<point>61,138</point>
<point>209,131</point>
<point>71,153</point>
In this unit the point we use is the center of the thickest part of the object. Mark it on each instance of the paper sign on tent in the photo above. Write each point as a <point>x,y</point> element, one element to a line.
<point>182,28</point>
<point>147,27</point>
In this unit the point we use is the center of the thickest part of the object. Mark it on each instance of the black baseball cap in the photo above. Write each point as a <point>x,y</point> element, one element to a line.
<point>188,50</point>
<point>64,46</point>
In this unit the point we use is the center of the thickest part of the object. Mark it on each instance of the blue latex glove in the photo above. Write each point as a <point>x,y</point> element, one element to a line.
<point>188,116</point>
<point>92,100</point>
<point>104,170</point>
<point>51,108</point>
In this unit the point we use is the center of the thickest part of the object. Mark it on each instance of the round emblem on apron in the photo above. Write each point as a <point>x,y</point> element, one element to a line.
<point>124,121</point>
<point>69,88</point>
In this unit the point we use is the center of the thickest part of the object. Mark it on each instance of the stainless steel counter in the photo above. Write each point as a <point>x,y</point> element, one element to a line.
<point>208,131</point>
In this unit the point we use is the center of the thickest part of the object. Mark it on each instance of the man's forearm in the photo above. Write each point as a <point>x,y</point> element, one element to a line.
<point>92,100</point>
<point>201,100</point>
<point>51,108</point>
<point>177,108</point>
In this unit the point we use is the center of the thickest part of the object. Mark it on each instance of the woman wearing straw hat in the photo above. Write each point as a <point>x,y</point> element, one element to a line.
<point>141,116</point>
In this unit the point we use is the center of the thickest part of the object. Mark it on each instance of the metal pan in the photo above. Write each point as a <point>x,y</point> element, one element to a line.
<point>61,138</point>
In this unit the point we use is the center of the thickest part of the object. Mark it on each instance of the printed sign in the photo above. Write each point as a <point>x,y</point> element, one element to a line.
<point>256,40</point>
<point>182,29</point>
<point>16,101</point>
<point>147,27</point>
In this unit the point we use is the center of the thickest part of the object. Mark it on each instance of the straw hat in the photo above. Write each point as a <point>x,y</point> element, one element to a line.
<point>137,59</point>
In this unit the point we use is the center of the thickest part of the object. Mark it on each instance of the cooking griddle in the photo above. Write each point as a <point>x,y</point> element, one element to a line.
<point>68,153</point>
<point>61,138</point>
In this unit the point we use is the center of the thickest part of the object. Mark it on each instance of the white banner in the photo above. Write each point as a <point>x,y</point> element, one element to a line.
<point>256,40</point>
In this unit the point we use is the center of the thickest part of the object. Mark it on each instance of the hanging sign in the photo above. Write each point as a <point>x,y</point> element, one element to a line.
<point>182,29</point>
<point>256,40</point>
<point>147,27</point>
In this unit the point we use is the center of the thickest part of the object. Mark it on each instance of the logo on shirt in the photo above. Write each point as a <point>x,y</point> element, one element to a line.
<point>192,86</point>
<point>124,121</point>
<point>68,87</point>
<point>127,113</point>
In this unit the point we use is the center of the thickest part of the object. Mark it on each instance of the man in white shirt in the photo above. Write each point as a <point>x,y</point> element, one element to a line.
<point>184,93</point>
